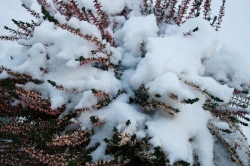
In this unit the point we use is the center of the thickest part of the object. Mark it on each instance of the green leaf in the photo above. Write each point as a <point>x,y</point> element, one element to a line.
<point>72,163</point>
<point>247,119</point>
<point>184,163</point>
<point>195,29</point>
<point>16,96</point>
<point>133,137</point>
<point>14,138</point>
<point>47,16</point>
<point>227,131</point>
<point>93,119</point>
<point>8,84</point>
<point>52,83</point>
<point>191,101</point>
<point>216,99</point>
<point>158,95</point>
<point>115,129</point>
<point>243,123</point>
<point>128,122</point>
<point>116,139</point>
<point>106,140</point>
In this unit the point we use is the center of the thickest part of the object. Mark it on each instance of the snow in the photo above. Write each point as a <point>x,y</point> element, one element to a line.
<point>74,23</point>
<point>209,84</point>
<point>234,74</point>
<point>37,57</point>
<point>64,55</point>
<point>87,28</point>
<point>167,84</point>
<point>72,63</point>
<point>57,100</point>
<point>114,115</point>
<point>62,68</point>
<point>222,125</point>
<point>171,59</point>
<point>27,3</point>
<point>10,10</point>
<point>113,7</point>
<point>82,51</point>
<point>60,18</point>
<point>87,100</point>
<point>180,135</point>
<point>135,31</point>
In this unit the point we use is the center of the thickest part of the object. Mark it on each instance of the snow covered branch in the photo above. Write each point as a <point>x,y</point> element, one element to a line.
<point>126,82</point>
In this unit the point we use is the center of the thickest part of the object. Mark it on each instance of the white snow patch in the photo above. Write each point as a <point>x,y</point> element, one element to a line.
<point>35,61</point>
<point>113,6</point>
<point>179,136</point>
<point>235,74</point>
<point>27,3</point>
<point>88,99</point>
<point>135,31</point>
<point>116,115</point>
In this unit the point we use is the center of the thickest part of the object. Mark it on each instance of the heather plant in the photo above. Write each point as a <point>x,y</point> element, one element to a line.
<point>131,82</point>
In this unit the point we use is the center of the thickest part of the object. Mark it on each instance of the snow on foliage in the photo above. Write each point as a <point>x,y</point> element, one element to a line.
<point>139,82</point>
<point>27,3</point>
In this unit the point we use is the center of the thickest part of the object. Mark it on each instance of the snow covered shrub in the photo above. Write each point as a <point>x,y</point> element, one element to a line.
<point>125,82</point>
